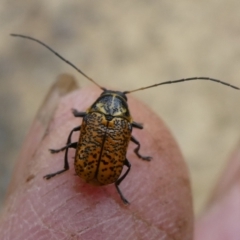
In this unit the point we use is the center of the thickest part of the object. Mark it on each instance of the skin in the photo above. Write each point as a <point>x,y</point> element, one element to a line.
<point>221,218</point>
<point>65,207</point>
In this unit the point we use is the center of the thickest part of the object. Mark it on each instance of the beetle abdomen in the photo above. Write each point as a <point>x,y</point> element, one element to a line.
<point>102,148</point>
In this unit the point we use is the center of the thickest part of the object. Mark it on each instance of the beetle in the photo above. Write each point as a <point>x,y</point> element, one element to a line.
<point>105,133</point>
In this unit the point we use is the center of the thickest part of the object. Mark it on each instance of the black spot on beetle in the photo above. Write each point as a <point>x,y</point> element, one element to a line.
<point>104,162</point>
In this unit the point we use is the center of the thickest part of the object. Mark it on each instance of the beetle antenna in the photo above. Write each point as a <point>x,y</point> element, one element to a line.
<point>58,55</point>
<point>184,80</point>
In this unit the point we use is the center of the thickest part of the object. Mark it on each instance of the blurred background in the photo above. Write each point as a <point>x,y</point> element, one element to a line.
<point>124,45</point>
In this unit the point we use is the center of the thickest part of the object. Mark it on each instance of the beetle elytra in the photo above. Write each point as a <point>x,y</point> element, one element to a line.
<point>105,133</point>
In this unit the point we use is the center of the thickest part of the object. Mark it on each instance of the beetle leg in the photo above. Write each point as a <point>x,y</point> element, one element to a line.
<point>136,150</point>
<point>68,141</point>
<point>76,113</point>
<point>69,145</point>
<point>137,125</point>
<point>66,165</point>
<point>117,183</point>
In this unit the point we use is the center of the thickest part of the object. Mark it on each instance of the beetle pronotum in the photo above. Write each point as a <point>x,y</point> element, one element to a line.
<point>105,133</point>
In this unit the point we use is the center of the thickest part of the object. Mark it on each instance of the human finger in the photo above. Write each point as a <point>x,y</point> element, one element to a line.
<point>65,207</point>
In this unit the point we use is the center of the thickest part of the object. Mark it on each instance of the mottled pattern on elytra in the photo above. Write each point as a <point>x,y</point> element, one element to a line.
<point>102,148</point>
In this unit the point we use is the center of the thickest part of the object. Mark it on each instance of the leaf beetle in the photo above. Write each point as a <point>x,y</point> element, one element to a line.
<point>105,133</point>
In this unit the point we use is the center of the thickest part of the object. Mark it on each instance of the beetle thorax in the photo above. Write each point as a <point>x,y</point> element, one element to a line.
<point>111,104</point>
